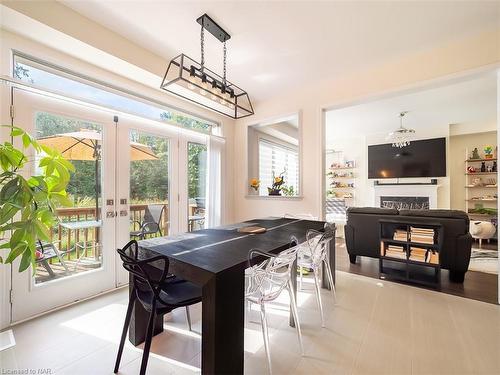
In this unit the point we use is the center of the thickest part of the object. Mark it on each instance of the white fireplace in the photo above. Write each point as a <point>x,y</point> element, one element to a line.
<point>417,196</point>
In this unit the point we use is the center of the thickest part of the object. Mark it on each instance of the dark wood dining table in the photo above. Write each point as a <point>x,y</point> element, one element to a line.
<point>215,259</point>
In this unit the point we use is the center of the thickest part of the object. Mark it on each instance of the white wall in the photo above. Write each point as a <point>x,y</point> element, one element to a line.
<point>422,69</point>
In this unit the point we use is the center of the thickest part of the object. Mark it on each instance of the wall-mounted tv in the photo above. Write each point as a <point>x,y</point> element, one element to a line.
<point>425,158</point>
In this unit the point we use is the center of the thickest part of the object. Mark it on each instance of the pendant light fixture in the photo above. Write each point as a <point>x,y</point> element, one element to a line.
<point>402,136</point>
<point>193,81</point>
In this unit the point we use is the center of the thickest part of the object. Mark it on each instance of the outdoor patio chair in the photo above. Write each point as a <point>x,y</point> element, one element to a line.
<point>200,206</point>
<point>49,251</point>
<point>151,223</point>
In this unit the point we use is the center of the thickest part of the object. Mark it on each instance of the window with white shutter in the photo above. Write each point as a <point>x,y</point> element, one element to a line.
<point>275,159</point>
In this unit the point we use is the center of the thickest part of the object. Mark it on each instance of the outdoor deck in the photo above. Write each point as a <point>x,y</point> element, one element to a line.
<point>88,240</point>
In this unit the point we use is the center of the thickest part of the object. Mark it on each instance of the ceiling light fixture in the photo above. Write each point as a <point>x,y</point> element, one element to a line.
<point>195,82</point>
<point>402,136</point>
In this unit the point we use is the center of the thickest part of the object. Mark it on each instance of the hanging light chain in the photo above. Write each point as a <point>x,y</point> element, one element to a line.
<point>224,63</point>
<point>202,44</point>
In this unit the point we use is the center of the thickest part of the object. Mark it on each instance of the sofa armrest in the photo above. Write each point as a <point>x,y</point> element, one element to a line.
<point>462,255</point>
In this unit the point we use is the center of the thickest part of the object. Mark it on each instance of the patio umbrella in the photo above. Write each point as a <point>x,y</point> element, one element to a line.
<point>86,145</point>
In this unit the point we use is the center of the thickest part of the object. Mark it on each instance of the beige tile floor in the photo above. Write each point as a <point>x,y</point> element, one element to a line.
<point>375,327</point>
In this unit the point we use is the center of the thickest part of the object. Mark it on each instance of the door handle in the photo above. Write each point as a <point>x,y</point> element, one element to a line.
<point>123,213</point>
<point>110,214</point>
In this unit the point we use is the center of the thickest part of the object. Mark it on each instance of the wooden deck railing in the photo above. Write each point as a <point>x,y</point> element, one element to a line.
<point>68,238</point>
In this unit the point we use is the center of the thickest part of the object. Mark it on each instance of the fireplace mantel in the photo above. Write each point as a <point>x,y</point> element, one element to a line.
<point>406,190</point>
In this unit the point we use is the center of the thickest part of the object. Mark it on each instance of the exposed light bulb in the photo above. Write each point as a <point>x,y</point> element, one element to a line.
<point>191,86</point>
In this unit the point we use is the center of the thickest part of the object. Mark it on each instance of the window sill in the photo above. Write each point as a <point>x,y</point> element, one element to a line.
<point>275,197</point>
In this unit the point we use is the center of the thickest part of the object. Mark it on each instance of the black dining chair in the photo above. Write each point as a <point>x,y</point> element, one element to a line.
<point>158,292</point>
<point>151,223</point>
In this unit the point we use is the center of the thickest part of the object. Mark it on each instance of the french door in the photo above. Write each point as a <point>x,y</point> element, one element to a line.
<point>79,260</point>
<point>134,178</point>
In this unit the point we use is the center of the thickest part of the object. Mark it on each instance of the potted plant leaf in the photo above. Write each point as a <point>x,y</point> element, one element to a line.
<point>28,204</point>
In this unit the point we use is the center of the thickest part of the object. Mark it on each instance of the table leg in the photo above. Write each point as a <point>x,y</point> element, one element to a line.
<point>139,323</point>
<point>331,258</point>
<point>223,324</point>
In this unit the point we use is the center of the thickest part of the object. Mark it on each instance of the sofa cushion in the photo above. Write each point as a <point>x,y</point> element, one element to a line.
<point>451,214</point>
<point>372,210</point>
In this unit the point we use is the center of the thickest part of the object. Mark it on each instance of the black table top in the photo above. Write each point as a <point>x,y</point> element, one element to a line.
<point>218,249</point>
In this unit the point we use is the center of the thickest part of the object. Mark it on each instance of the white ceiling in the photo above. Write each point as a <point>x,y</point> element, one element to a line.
<point>471,103</point>
<point>284,45</point>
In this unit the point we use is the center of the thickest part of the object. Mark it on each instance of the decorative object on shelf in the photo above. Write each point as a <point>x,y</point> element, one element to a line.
<point>402,136</point>
<point>345,165</point>
<point>255,184</point>
<point>340,174</point>
<point>471,169</point>
<point>340,184</point>
<point>477,181</point>
<point>277,186</point>
<point>490,182</point>
<point>489,168</point>
<point>475,154</point>
<point>494,168</point>
<point>485,198</point>
<point>195,82</point>
<point>483,167</point>
<point>488,152</point>
<point>479,209</point>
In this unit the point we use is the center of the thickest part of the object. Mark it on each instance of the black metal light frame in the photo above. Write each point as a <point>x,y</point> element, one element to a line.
<point>191,80</point>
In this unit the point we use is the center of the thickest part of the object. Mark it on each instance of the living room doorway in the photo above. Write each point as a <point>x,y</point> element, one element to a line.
<point>449,164</point>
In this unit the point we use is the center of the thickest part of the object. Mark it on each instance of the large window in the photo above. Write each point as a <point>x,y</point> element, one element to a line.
<point>275,160</point>
<point>65,84</point>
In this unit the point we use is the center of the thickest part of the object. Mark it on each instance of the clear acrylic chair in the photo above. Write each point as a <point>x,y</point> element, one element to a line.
<point>265,282</point>
<point>312,256</point>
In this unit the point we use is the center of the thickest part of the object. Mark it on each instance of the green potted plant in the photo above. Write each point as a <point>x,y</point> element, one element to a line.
<point>28,204</point>
<point>488,152</point>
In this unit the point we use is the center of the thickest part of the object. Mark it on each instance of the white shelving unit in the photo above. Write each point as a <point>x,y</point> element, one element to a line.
<point>482,194</point>
<point>343,175</point>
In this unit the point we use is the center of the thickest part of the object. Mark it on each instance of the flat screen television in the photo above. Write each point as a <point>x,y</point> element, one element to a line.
<point>425,158</point>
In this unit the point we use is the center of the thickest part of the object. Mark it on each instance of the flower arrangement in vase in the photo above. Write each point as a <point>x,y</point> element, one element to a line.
<point>255,184</point>
<point>277,185</point>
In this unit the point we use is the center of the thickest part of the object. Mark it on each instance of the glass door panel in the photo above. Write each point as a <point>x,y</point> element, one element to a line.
<point>146,175</point>
<point>149,185</point>
<point>74,245</point>
<point>197,179</point>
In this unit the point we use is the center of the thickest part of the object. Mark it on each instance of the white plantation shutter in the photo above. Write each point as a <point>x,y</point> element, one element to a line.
<point>276,158</point>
